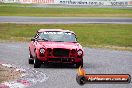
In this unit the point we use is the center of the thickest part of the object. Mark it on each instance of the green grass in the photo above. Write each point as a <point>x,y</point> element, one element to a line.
<point>88,34</point>
<point>24,10</point>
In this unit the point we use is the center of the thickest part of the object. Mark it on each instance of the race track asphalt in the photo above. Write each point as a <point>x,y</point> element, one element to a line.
<point>63,20</point>
<point>96,61</point>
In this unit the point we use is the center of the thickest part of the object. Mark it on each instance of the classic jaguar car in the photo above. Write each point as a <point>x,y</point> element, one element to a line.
<point>55,46</point>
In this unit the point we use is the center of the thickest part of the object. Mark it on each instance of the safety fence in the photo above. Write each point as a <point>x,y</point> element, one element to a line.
<point>74,2</point>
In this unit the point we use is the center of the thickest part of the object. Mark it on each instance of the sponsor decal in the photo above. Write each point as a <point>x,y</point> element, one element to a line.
<point>59,33</point>
<point>130,3</point>
<point>72,2</point>
<point>96,2</point>
<point>83,78</point>
<point>76,2</point>
<point>38,1</point>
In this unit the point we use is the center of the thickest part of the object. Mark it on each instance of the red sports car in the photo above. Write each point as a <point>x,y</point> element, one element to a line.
<point>55,46</point>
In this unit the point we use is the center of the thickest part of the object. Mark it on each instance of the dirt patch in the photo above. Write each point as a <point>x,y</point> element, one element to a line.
<point>8,73</point>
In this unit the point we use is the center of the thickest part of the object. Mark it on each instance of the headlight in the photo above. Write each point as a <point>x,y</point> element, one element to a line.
<point>79,52</point>
<point>42,50</point>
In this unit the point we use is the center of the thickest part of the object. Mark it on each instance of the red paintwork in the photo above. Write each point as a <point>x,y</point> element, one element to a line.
<point>34,48</point>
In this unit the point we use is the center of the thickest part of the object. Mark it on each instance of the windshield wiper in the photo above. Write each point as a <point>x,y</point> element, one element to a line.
<point>64,41</point>
<point>45,39</point>
<point>58,41</point>
<point>74,42</point>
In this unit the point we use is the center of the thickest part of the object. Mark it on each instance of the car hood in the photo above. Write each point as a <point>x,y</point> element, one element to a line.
<point>66,45</point>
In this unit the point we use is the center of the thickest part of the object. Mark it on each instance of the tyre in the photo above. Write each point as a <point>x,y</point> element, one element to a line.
<point>37,63</point>
<point>79,64</point>
<point>30,55</point>
<point>30,61</point>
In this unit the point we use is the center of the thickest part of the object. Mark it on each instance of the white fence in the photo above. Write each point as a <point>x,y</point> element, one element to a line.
<point>75,2</point>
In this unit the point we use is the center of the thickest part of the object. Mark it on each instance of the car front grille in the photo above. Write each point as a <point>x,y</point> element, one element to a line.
<point>60,52</point>
<point>61,60</point>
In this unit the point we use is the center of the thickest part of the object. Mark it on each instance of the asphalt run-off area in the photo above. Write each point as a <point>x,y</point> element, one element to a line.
<point>96,61</point>
<point>63,20</point>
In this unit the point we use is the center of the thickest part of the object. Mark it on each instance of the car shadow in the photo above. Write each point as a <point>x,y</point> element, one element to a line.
<point>58,65</point>
<point>68,66</point>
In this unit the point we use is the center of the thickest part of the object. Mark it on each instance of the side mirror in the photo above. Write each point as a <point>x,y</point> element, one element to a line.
<point>32,39</point>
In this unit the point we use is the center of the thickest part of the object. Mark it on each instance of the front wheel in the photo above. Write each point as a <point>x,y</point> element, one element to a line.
<point>30,61</point>
<point>37,63</point>
<point>30,55</point>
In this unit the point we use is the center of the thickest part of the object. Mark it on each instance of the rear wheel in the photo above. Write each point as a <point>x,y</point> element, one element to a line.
<point>37,63</point>
<point>79,64</point>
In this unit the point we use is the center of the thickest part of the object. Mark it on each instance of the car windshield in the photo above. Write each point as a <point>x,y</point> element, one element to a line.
<point>56,36</point>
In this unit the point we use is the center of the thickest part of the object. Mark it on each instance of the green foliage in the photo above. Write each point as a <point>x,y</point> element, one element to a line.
<point>88,34</point>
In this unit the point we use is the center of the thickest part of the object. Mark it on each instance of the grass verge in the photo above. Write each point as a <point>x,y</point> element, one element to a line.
<point>93,35</point>
<point>28,10</point>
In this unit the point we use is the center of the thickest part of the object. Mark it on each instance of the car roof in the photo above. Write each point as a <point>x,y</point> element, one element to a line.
<point>61,30</point>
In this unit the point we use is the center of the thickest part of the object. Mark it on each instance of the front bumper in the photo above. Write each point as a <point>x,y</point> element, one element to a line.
<point>60,60</point>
